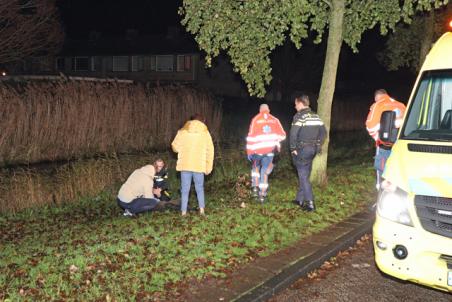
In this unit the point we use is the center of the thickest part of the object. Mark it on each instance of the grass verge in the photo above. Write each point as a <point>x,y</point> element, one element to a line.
<point>88,251</point>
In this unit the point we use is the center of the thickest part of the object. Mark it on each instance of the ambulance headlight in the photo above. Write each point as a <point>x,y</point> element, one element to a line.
<point>393,205</point>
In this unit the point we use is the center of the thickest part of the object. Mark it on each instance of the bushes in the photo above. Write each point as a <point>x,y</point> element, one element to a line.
<point>57,184</point>
<point>48,121</point>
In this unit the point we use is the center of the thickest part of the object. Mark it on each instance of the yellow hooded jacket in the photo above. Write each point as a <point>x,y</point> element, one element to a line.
<point>139,184</point>
<point>194,147</point>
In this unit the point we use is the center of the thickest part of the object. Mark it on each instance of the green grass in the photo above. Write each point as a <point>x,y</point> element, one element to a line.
<point>88,251</point>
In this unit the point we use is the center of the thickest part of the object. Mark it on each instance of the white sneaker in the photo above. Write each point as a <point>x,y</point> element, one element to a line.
<point>127,213</point>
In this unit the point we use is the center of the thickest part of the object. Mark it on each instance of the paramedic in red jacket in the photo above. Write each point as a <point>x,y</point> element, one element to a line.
<point>263,140</point>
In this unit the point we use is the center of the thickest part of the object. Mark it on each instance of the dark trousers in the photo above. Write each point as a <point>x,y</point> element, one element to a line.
<point>303,163</point>
<point>139,205</point>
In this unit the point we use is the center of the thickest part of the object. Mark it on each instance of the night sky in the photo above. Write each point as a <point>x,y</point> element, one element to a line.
<point>114,17</point>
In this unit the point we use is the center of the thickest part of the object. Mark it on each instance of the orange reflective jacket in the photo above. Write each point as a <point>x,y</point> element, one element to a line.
<point>264,135</point>
<point>385,103</point>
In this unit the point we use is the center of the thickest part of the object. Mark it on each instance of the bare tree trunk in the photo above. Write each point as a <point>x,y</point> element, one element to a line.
<point>327,87</point>
<point>427,38</point>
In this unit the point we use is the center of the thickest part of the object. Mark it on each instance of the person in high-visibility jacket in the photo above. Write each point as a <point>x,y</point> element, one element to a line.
<point>383,102</point>
<point>263,140</point>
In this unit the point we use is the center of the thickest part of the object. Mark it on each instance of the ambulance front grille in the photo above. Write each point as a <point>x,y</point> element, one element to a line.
<point>430,148</point>
<point>435,214</point>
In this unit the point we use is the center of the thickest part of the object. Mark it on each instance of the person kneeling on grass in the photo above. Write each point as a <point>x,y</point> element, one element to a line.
<point>137,194</point>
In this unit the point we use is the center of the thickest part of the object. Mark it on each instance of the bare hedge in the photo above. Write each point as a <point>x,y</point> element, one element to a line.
<point>59,120</point>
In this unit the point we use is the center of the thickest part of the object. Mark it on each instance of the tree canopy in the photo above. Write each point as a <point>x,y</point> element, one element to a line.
<point>248,31</point>
<point>408,45</point>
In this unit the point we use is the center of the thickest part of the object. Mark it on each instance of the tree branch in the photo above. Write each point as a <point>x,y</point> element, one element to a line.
<point>28,30</point>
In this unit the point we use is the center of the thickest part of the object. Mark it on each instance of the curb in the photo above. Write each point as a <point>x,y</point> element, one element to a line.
<point>302,267</point>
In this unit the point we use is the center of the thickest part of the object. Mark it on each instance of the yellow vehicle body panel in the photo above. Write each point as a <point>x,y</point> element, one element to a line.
<point>440,57</point>
<point>418,173</point>
<point>428,174</point>
<point>423,264</point>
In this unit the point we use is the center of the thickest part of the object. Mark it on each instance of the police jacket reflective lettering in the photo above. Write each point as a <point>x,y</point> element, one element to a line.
<point>307,128</point>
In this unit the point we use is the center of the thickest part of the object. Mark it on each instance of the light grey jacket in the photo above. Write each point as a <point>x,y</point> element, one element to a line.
<point>139,184</point>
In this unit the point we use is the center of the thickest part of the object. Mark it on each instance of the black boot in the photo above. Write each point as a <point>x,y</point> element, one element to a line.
<point>310,206</point>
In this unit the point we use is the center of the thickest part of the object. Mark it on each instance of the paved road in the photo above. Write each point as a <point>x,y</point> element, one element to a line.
<point>354,277</point>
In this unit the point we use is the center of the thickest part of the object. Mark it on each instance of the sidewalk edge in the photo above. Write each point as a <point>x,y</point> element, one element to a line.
<point>302,267</point>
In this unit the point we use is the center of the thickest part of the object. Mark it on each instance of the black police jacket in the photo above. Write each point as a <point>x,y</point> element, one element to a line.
<point>307,128</point>
<point>161,179</point>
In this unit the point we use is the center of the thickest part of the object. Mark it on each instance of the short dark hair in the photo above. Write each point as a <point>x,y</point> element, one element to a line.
<point>302,98</point>
<point>198,117</point>
<point>380,91</point>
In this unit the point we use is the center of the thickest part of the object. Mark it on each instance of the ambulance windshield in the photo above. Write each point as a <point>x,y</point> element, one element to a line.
<point>430,115</point>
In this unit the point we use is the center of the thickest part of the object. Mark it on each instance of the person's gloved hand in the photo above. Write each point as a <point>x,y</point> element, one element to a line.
<point>250,157</point>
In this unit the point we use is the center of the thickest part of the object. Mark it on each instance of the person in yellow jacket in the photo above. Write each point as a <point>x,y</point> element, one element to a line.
<point>194,147</point>
<point>137,195</point>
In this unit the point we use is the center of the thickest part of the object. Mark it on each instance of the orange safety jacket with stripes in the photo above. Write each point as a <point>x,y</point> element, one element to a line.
<point>264,135</point>
<point>384,103</point>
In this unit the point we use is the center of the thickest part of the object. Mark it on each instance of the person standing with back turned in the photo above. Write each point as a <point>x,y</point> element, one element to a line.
<point>383,102</point>
<point>307,135</point>
<point>194,147</point>
<point>263,140</point>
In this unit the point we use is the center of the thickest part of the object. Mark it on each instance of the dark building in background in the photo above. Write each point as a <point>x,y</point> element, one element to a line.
<point>169,57</point>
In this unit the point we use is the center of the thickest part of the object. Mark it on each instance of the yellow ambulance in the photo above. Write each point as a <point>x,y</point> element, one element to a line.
<point>412,234</point>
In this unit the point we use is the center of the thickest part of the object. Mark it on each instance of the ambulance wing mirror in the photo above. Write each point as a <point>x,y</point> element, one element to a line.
<point>388,130</point>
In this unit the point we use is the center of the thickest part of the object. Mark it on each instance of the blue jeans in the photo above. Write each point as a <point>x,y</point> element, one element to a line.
<point>198,178</point>
<point>303,163</point>
<point>381,157</point>
<point>139,205</point>
<point>262,167</point>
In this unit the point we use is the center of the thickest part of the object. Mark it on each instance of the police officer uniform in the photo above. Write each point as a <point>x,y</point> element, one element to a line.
<point>307,134</point>
<point>161,181</point>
